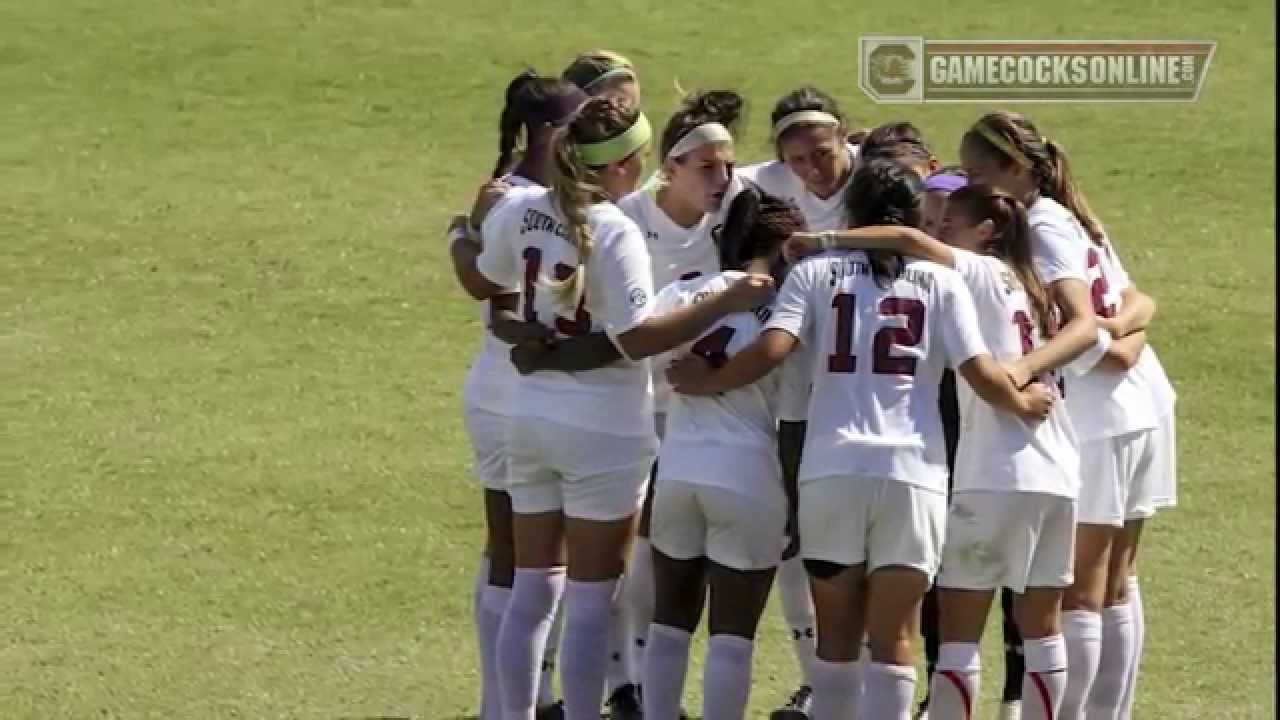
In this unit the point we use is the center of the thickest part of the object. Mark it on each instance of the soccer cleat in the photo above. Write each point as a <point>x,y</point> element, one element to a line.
<point>551,712</point>
<point>624,703</point>
<point>924,714</point>
<point>797,708</point>
<point>1011,710</point>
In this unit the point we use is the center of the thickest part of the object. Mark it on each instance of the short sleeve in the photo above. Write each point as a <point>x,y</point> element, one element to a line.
<point>961,333</point>
<point>791,311</point>
<point>620,277</point>
<point>1056,251</point>
<point>976,270</point>
<point>497,260</point>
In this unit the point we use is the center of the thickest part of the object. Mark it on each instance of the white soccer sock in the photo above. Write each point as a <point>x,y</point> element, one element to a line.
<point>620,671</point>
<point>1045,680</point>
<point>956,680</point>
<point>584,654</point>
<point>478,618</point>
<point>666,662</point>
<point>1139,637</point>
<point>834,690</point>
<point>888,691</point>
<point>494,602</point>
<point>524,633</point>
<point>797,611</point>
<point>546,681</point>
<point>1082,631</point>
<point>1113,664</point>
<point>639,598</point>
<point>726,679</point>
<point>862,666</point>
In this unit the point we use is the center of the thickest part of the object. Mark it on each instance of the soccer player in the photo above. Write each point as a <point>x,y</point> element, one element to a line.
<point>604,72</point>
<point>580,445</point>
<point>719,514</point>
<point>1011,522</point>
<point>536,108</point>
<point>1110,404</point>
<point>873,478</point>
<point>815,162</point>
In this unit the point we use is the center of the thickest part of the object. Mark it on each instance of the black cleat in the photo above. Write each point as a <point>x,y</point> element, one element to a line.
<point>797,708</point>
<point>551,712</point>
<point>624,703</point>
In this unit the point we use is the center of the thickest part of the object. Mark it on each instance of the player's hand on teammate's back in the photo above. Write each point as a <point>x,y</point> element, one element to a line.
<point>1037,401</point>
<point>689,374</point>
<point>488,196</point>
<point>527,355</point>
<point>748,292</point>
<point>801,245</point>
<point>1019,374</point>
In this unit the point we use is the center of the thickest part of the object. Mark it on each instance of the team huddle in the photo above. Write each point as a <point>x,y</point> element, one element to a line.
<point>895,390</point>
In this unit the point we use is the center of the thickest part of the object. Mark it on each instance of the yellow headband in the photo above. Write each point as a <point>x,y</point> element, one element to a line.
<point>618,147</point>
<point>1003,145</point>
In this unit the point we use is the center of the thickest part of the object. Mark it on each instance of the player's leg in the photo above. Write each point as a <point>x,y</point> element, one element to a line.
<point>1100,515</point>
<point>539,576</point>
<point>495,593</point>
<point>1119,635</point>
<point>744,541</point>
<point>678,536</point>
<point>904,544</point>
<point>833,514</point>
<point>793,582</point>
<point>1038,610</point>
<point>1014,662</point>
<point>981,543</point>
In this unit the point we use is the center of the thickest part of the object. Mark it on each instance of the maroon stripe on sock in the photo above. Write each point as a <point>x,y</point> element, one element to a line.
<point>1038,680</point>
<point>962,689</point>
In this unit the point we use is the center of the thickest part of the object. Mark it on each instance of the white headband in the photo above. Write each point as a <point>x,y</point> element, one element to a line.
<point>620,71</point>
<point>804,117</point>
<point>711,133</point>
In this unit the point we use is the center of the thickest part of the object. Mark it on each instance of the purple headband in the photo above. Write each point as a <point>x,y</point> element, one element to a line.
<point>945,182</point>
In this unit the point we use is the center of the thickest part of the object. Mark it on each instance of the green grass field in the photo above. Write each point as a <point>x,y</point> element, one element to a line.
<point>233,481</point>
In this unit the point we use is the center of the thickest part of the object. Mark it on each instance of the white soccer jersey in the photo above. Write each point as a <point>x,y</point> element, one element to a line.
<point>526,244</point>
<point>999,450</point>
<point>1102,403</point>
<point>879,353</point>
<point>720,440</point>
<point>1148,373</point>
<point>492,377</point>
<point>675,252</point>
<point>775,178</point>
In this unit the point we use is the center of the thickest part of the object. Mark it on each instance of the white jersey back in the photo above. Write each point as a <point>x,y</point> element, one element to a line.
<point>492,377</point>
<point>1102,403</point>
<point>676,253</point>
<point>999,450</point>
<point>734,431</point>
<point>775,178</point>
<point>526,244</point>
<point>879,350</point>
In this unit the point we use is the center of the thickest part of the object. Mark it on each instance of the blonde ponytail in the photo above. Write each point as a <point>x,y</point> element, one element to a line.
<point>573,189</point>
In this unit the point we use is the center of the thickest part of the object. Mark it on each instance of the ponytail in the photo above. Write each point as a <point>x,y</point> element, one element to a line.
<point>1012,138</point>
<point>576,186</point>
<point>510,122</point>
<point>1060,185</point>
<point>1011,242</point>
